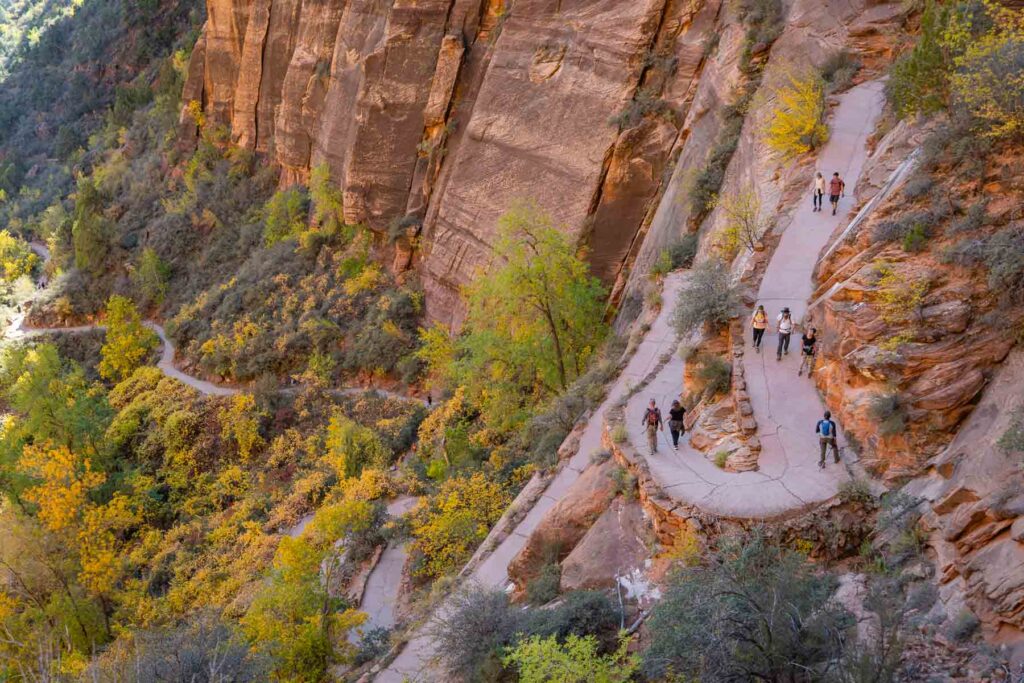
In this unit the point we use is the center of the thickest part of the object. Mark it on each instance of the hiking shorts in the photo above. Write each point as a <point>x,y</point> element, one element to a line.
<point>834,198</point>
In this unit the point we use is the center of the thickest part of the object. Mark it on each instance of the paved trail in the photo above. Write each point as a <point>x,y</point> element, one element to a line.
<point>382,585</point>
<point>414,663</point>
<point>786,406</point>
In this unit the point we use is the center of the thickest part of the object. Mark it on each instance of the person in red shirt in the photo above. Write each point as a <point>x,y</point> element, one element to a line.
<point>836,189</point>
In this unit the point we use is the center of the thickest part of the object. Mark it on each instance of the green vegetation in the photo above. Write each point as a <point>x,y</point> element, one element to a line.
<point>545,660</point>
<point>744,225</point>
<point>885,409</point>
<point>1012,440</point>
<point>708,299</point>
<point>534,320</point>
<point>16,258</point>
<point>969,55</point>
<point>128,343</point>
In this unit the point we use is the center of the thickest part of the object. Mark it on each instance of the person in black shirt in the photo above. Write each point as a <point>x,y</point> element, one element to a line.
<point>808,341</point>
<point>675,422</point>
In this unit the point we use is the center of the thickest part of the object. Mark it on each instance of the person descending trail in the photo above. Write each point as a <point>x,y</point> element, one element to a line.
<point>676,426</point>
<point>819,191</point>
<point>826,431</point>
<point>785,327</point>
<point>759,322</point>
<point>652,423</point>
<point>808,341</point>
<point>836,189</point>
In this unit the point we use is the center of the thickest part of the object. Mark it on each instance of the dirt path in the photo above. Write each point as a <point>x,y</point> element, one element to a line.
<point>786,406</point>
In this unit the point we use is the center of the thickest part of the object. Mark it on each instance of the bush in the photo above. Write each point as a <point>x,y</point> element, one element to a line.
<point>1012,440</point>
<point>967,253</point>
<point>885,409</point>
<point>987,80</point>
<point>682,253</point>
<point>645,103</point>
<point>855,491</point>
<point>744,224</point>
<point>753,606</point>
<point>721,459</point>
<point>764,20</point>
<point>918,186</point>
<point>544,587</point>
<point>708,299</point>
<point>1004,258</point>
<point>839,69</point>
<point>714,374</point>
<point>285,215</point>
<point>374,644</point>
<point>916,222</point>
<point>963,626</point>
<point>796,124</point>
<point>545,660</point>
<point>704,191</point>
<point>974,218</point>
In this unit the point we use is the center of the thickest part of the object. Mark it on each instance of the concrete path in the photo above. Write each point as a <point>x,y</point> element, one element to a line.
<point>786,407</point>
<point>415,662</point>
<point>382,585</point>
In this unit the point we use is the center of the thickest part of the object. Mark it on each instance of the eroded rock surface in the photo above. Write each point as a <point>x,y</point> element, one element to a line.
<point>615,546</point>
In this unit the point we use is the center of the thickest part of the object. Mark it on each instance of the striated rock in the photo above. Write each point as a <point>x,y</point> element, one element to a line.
<point>614,546</point>
<point>566,522</point>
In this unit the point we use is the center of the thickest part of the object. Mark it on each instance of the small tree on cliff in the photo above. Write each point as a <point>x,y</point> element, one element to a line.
<point>129,342</point>
<point>534,319</point>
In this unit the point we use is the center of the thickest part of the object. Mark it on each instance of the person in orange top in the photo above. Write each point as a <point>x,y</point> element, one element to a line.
<point>760,323</point>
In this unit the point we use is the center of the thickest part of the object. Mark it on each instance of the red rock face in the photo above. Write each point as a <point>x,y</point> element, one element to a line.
<point>446,112</point>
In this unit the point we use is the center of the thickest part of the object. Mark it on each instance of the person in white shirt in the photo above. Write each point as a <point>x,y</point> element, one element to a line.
<point>819,190</point>
<point>784,323</point>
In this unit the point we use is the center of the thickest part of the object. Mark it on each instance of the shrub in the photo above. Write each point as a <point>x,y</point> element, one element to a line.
<point>708,299</point>
<point>722,459</point>
<point>16,259</point>
<point>619,433</point>
<point>374,644</point>
<point>285,215</point>
<point>682,253</point>
<point>704,191</point>
<point>542,660</point>
<point>543,588</point>
<point>897,296</point>
<point>885,409</point>
<point>918,186</point>
<point>764,20</point>
<point>974,218</point>
<point>967,252</point>
<point>645,103</point>
<point>797,121</point>
<point>855,491</point>
<point>753,606</point>
<point>1012,440</point>
<point>839,69</point>
<point>987,80</point>
<point>1004,258</point>
<point>963,626</point>
<point>916,238</point>
<point>151,278</point>
<point>744,224</point>
<point>454,521</point>
<point>625,482</point>
<point>714,374</point>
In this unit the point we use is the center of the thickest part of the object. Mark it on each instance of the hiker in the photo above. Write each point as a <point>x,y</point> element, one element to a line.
<point>652,423</point>
<point>675,422</point>
<point>759,323</point>
<point>826,431</point>
<point>785,327</point>
<point>836,189</point>
<point>819,190</point>
<point>808,340</point>
<point>430,401</point>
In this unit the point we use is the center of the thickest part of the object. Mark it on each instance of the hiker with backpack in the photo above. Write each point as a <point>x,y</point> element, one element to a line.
<point>759,322</point>
<point>676,426</point>
<point>819,191</point>
<point>808,342</point>
<point>836,189</point>
<point>826,431</point>
<point>785,328</point>
<point>652,423</point>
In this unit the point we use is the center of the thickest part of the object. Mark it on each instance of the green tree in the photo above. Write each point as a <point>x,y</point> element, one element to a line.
<point>129,342</point>
<point>919,82</point>
<point>326,201</point>
<point>285,215</point>
<point>90,232</point>
<point>534,319</point>
<point>151,277</point>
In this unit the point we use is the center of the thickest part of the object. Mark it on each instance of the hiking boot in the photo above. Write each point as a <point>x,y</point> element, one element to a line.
<point>821,464</point>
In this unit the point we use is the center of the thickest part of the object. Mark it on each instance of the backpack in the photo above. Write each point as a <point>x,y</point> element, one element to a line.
<point>825,427</point>
<point>653,416</point>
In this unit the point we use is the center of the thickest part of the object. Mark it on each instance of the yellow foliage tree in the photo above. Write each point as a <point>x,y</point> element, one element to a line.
<point>744,224</point>
<point>16,259</point>
<point>63,482</point>
<point>240,422</point>
<point>796,123</point>
<point>128,343</point>
<point>454,521</point>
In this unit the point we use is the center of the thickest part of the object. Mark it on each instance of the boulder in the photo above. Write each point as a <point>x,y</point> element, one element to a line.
<point>616,545</point>
<point>562,527</point>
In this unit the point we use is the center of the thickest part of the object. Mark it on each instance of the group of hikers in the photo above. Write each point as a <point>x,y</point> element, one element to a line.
<point>784,326</point>
<point>836,189</point>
